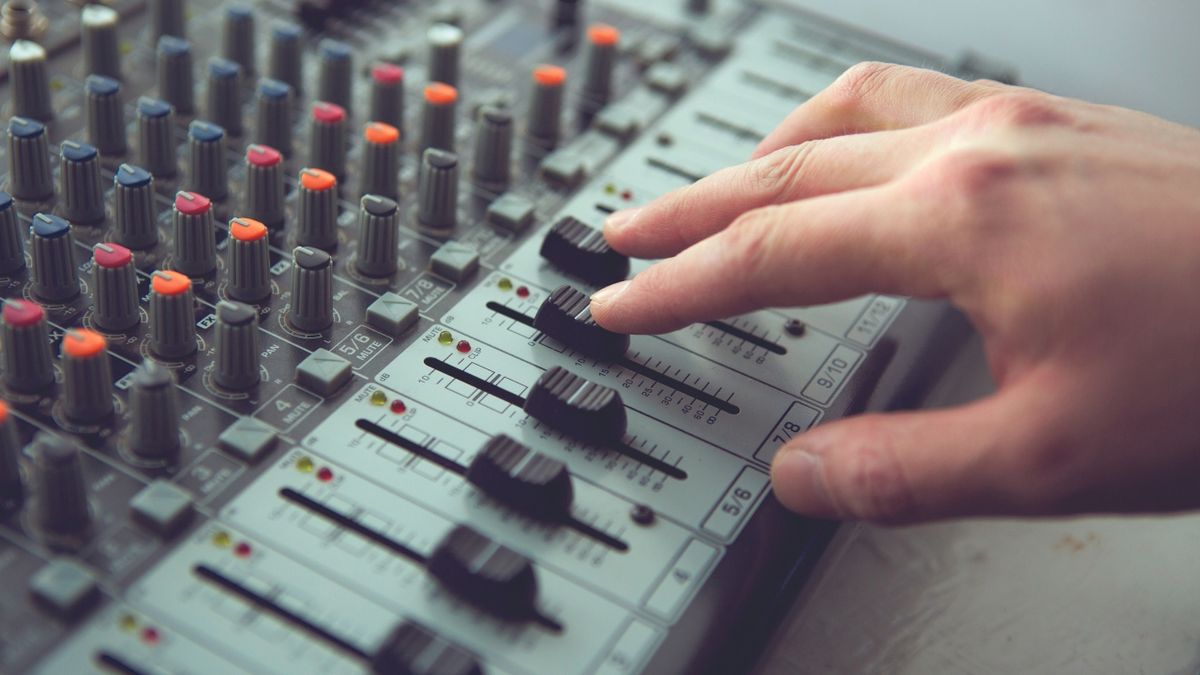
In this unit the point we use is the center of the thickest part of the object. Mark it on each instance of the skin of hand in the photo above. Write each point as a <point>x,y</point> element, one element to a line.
<point>1067,232</point>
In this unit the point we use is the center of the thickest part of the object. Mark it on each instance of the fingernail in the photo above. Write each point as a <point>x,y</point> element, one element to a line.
<point>798,475</point>
<point>610,293</point>
<point>620,219</point>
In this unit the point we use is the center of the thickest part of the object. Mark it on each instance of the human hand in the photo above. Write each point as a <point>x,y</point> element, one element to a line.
<point>1067,232</point>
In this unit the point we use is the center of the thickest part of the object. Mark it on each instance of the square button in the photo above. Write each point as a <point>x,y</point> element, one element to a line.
<point>392,314</point>
<point>668,78</point>
<point>323,372</point>
<point>65,587</point>
<point>455,261</point>
<point>247,439</point>
<point>511,212</point>
<point>563,169</point>
<point>162,507</point>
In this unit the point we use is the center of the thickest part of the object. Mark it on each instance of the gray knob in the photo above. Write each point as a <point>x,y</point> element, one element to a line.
<point>52,249</point>
<point>378,223</point>
<point>166,18</point>
<point>493,149</point>
<point>316,216</point>
<point>381,160</point>
<point>62,504</point>
<point>284,63</point>
<point>28,365</point>
<point>565,15</point>
<point>699,6</point>
<point>238,39</point>
<point>438,117</point>
<point>336,81</point>
<point>207,171</point>
<point>445,49</point>
<point>134,221</point>
<point>264,185</point>
<point>79,183</point>
<point>115,291</point>
<point>437,211</point>
<point>224,97</point>
<point>12,239</point>
<point>545,106</point>
<point>327,138</point>
<point>176,82</point>
<point>11,490</point>
<point>273,116</point>
<point>101,49</point>
<point>30,81</point>
<point>387,94</point>
<point>172,315</point>
<point>312,290</point>
<point>249,265</point>
<point>195,235</point>
<point>600,61</point>
<point>156,137</point>
<point>105,116</point>
<point>154,414</point>
<point>29,174</point>
<point>236,346</point>
<point>87,376</point>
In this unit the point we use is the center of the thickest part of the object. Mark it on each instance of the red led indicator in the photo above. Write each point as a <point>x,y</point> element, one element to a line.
<point>627,195</point>
<point>324,474</point>
<point>242,550</point>
<point>150,635</point>
<point>522,292</point>
<point>398,407</point>
<point>463,346</point>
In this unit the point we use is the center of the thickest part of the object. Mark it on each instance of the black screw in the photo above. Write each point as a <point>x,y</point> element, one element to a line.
<point>795,327</point>
<point>642,514</point>
<point>665,139</point>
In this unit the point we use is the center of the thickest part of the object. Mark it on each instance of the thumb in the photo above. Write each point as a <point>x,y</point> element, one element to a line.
<point>904,467</point>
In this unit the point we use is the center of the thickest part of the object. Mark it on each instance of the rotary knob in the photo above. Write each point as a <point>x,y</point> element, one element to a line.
<point>166,18</point>
<point>316,219</point>
<point>336,78</point>
<point>80,187</point>
<point>586,410</point>
<point>12,240</point>
<point>600,62</point>
<point>379,222</point>
<point>12,492</point>
<point>437,210</point>
<point>116,291</point>
<point>224,98</point>
<point>156,140</point>
<point>172,315</point>
<point>327,138</point>
<point>29,174</point>
<point>284,61</point>
<point>566,316</point>
<point>445,49</point>
<point>387,94</point>
<point>176,81</point>
<point>101,51</point>
<point>249,265</point>
<point>545,108</point>
<point>312,290</point>
<point>134,221</point>
<point>264,185</point>
<point>52,248</point>
<point>273,116</point>
<point>581,251</point>
<point>529,482</point>
<point>30,81</point>
<point>195,234</point>
<point>493,149</point>
<point>62,506</point>
<point>237,37</point>
<point>154,414</point>
<point>486,574</point>
<point>87,377</point>
<point>236,346</point>
<point>105,118</point>
<point>438,117</point>
<point>207,172</point>
<point>415,650</point>
<point>28,364</point>
<point>381,160</point>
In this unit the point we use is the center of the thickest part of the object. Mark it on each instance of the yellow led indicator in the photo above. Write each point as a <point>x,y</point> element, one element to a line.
<point>505,284</point>
<point>56,84</point>
<point>128,622</point>
<point>445,338</point>
<point>305,464</point>
<point>222,539</point>
<point>610,189</point>
<point>378,397</point>
<point>126,47</point>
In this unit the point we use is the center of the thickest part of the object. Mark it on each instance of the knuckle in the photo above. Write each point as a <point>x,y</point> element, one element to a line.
<point>873,485</point>
<point>977,174</point>
<point>777,175</point>
<point>1018,109</point>
<point>862,80</point>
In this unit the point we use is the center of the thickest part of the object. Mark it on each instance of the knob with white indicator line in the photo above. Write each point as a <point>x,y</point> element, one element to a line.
<point>327,138</point>
<point>438,117</point>
<point>316,217</point>
<point>492,169</point>
<point>154,414</point>
<point>61,506</point>
<point>52,249</point>
<point>79,183</point>
<point>312,290</point>
<point>545,108</point>
<point>566,316</point>
<point>28,363</point>
<point>176,79</point>
<point>583,409</point>
<point>172,315</point>
<point>264,185</point>
<point>598,71</point>
<point>335,80</point>
<point>30,81</point>
<point>207,172</point>
<point>104,116</point>
<point>12,239</point>
<point>195,234</point>
<point>237,347</point>
<point>116,292</point>
<point>437,208</point>
<point>273,116</point>
<point>387,94</point>
<point>381,160</point>
<point>379,222</point>
<point>29,175</point>
<point>101,49</point>
<point>134,222</point>
<point>157,151</point>
<point>87,377</point>
<point>249,268</point>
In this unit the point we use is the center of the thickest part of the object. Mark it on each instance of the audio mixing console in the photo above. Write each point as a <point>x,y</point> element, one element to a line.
<point>298,371</point>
